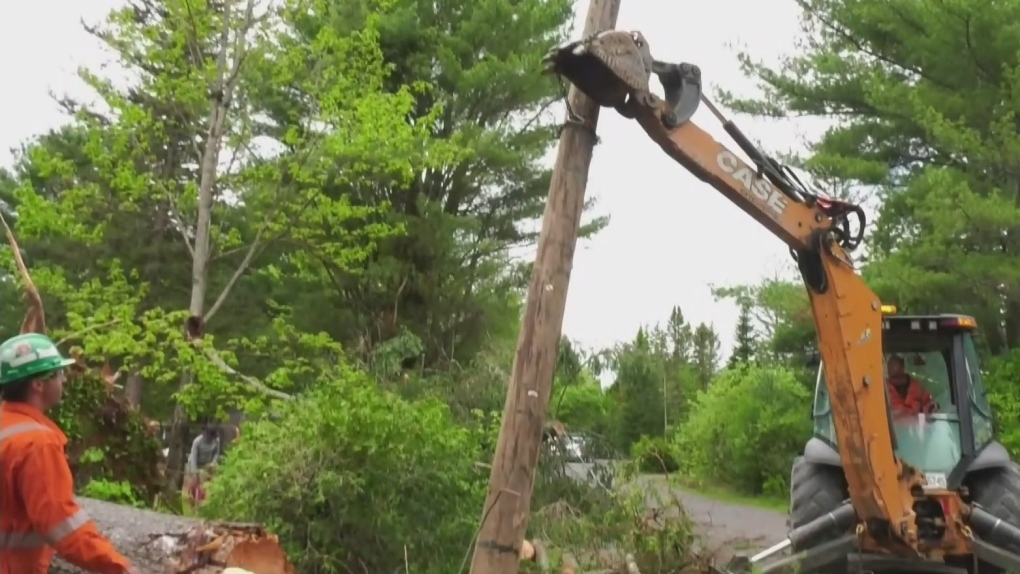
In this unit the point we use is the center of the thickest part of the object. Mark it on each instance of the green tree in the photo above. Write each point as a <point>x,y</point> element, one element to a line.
<point>638,391</point>
<point>705,354</point>
<point>352,461</point>
<point>745,340</point>
<point>745,429</point>
<point>91,191</point>
<point>447,278</point>
<point>582,406</point>
<point>925,98</point>
<point>679,334</point>
<point>781,316</point>
<point>577,398</point>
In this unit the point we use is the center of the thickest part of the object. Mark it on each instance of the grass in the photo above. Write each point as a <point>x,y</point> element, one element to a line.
<point>722,494</point>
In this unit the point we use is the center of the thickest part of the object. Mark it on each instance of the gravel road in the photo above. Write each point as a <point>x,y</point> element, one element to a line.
<point>129,529</point>
<point>724,527</point>
<point>729,527</point>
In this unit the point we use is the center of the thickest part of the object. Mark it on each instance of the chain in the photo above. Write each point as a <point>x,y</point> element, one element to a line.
<point>573,118</point>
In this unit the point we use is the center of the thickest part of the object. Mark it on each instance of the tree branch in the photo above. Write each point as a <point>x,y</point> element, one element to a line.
<point>252,382</point>
<point>180,224</point>
<point>241,268</point>
<point>35,318</point>
<point>89,329</point>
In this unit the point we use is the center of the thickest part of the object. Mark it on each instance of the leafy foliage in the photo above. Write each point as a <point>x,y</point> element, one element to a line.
<point>745,430</point>
<point>352,472</point>
<point>112,451</point>
<point>654,455</point>
<point>306,218</point>
<point>744,338</point>
<point>924,101</point>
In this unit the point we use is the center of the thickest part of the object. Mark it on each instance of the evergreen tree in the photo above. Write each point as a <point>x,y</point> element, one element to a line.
<point>705,354</point>
<point>745,339</point>
<point>639,392</point>
<point>679,334</point>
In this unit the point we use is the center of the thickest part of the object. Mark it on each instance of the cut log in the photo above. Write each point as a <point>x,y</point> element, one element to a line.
<point>165,544</point>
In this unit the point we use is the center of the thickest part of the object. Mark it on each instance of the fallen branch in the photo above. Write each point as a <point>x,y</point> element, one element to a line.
<point>252,382</point>
<point>35,318</point>
<point>86,330</point>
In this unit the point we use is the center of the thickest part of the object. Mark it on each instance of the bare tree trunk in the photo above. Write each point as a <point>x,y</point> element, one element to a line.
<point>177,443</point>
<point>220,95</point>
<point>133,391</point>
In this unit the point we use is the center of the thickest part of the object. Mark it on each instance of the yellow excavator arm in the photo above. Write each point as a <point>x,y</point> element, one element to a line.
<point>848,315</point>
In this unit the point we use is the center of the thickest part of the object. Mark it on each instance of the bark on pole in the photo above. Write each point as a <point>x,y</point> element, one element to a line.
<point>508,504</point>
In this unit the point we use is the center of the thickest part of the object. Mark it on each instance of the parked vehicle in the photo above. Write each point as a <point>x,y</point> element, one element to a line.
<point>582,456</point>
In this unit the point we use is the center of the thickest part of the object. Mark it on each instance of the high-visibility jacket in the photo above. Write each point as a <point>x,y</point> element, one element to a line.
<point>915,401</point>
<point>39,514</point>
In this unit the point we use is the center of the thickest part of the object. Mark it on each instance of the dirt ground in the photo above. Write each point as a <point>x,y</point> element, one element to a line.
<point>725,527</point>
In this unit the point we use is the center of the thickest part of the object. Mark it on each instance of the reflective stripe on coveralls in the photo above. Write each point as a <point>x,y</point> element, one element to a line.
<point>29,540</point>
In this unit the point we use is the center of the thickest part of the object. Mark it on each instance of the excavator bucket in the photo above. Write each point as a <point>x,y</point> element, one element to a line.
<point>613,68</point>
<point>681,84</point>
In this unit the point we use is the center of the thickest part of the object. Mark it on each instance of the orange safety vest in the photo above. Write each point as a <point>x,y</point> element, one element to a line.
<point>916,401</point>
<point>40,515</point>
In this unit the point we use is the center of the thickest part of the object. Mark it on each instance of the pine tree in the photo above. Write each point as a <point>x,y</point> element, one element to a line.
<point>745,339</point>
<point>705,354</point>
<point>639,395</point>
<point>679,333</point>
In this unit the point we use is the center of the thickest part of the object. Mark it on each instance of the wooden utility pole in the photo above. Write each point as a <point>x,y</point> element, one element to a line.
<point>508,504</point>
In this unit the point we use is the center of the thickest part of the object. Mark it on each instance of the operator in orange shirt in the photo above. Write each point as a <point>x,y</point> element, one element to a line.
<point>40,515</point>
<point>906,395</point>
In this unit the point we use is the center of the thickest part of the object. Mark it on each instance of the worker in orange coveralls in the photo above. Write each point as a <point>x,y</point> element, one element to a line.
<point>39,514</point>
<point>906,395</point>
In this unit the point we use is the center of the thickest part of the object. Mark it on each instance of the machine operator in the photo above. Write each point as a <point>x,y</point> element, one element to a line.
<point>906,395</point>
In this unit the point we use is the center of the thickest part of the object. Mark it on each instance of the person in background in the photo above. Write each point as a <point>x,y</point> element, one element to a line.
<point>205,451</point>
<point>40,515</point>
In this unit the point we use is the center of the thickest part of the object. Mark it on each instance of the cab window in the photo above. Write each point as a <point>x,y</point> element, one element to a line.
<point>981,410</point>
<point>931,370</point>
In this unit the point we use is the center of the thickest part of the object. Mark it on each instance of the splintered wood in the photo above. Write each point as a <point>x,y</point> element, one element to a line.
<point>222,548</point>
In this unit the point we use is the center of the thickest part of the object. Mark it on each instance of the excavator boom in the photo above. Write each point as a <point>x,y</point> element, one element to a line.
<point>818,231</point>
<point>895,515</point>
<point>847,313</point>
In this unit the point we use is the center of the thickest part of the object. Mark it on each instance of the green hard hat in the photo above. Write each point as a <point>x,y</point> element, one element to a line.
<point>28,355</point>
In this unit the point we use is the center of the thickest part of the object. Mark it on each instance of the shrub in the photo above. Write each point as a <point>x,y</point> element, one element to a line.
<point>108,443</point>
<point>110,491</point>
<point>351,476</point>
<point>654,455</point>
<point>1001,387</point>
<point>598,527</point>
<point>745,430</point>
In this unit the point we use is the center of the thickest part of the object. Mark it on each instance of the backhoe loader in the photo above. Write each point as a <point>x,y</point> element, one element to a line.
<point>875,490</point>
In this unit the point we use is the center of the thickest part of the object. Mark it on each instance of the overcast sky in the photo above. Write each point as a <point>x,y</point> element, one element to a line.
<point>670,236</point>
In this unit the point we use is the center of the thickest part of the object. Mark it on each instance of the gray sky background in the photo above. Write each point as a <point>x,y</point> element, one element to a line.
<point>670,236</point>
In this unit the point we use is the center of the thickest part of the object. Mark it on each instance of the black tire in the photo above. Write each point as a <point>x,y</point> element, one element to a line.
<point>816,490</point>
<point>997,490</point>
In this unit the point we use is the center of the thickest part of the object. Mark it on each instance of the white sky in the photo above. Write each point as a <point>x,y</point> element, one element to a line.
<point>672,237</point>
<point>669,238</point>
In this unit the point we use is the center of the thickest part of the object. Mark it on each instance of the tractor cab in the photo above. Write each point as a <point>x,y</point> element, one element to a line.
<point>938,353</point>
